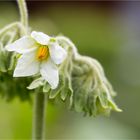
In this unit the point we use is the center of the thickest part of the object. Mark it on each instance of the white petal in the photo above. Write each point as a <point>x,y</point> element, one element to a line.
<point>27,65</point>
<point>22,45</point>
<point>40,37</point>
<point>57,53</point>
<point>49,72</point>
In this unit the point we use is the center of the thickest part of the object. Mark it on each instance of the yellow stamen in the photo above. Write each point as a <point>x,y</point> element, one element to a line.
<point>43,53</point>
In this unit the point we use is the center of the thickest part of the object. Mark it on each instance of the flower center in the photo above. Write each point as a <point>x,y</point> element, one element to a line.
<point>43,53</point>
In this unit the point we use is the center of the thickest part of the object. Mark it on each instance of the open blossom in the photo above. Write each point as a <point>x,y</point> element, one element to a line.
<point>40,53</point>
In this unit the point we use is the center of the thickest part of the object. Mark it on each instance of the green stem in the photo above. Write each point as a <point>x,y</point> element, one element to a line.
<point>39,116</point>
<point>23,13</point>
<point>9,27</point>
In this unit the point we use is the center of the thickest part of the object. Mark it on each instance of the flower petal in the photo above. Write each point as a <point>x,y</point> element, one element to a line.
<point>40,37</point>
<point>27,65</point>
<point>22,45</point>
<point>57,53</point>
<point>49,72</point>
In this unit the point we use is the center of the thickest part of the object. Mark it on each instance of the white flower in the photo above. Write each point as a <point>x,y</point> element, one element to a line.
<point>40,53</point>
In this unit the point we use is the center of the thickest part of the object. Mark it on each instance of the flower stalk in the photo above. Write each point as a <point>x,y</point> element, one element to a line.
<point>39,116</point>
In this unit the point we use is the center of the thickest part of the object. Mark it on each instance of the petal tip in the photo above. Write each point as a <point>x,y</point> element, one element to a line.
<point>40,37</point>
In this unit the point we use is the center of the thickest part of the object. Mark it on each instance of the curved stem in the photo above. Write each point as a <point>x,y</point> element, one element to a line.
<point>70,43</point>
<point>39,116</point>
<point>9,27</point>
<point>23,13</point>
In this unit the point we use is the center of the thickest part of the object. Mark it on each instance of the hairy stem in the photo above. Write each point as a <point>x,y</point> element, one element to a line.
<point>39,116</point>
<point>23,13</point>
<point>9,27</point>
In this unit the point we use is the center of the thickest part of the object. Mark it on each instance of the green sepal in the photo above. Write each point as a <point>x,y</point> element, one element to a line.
<point>46,87</point>
<point>36,83</point>
<point>54,92</point>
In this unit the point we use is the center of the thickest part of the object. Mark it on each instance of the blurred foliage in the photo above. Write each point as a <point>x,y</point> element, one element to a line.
<point>7,80</point>
<point>102,32</point>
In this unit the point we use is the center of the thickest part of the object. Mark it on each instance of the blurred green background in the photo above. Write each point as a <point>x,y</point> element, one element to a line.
<point>107,31</point>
